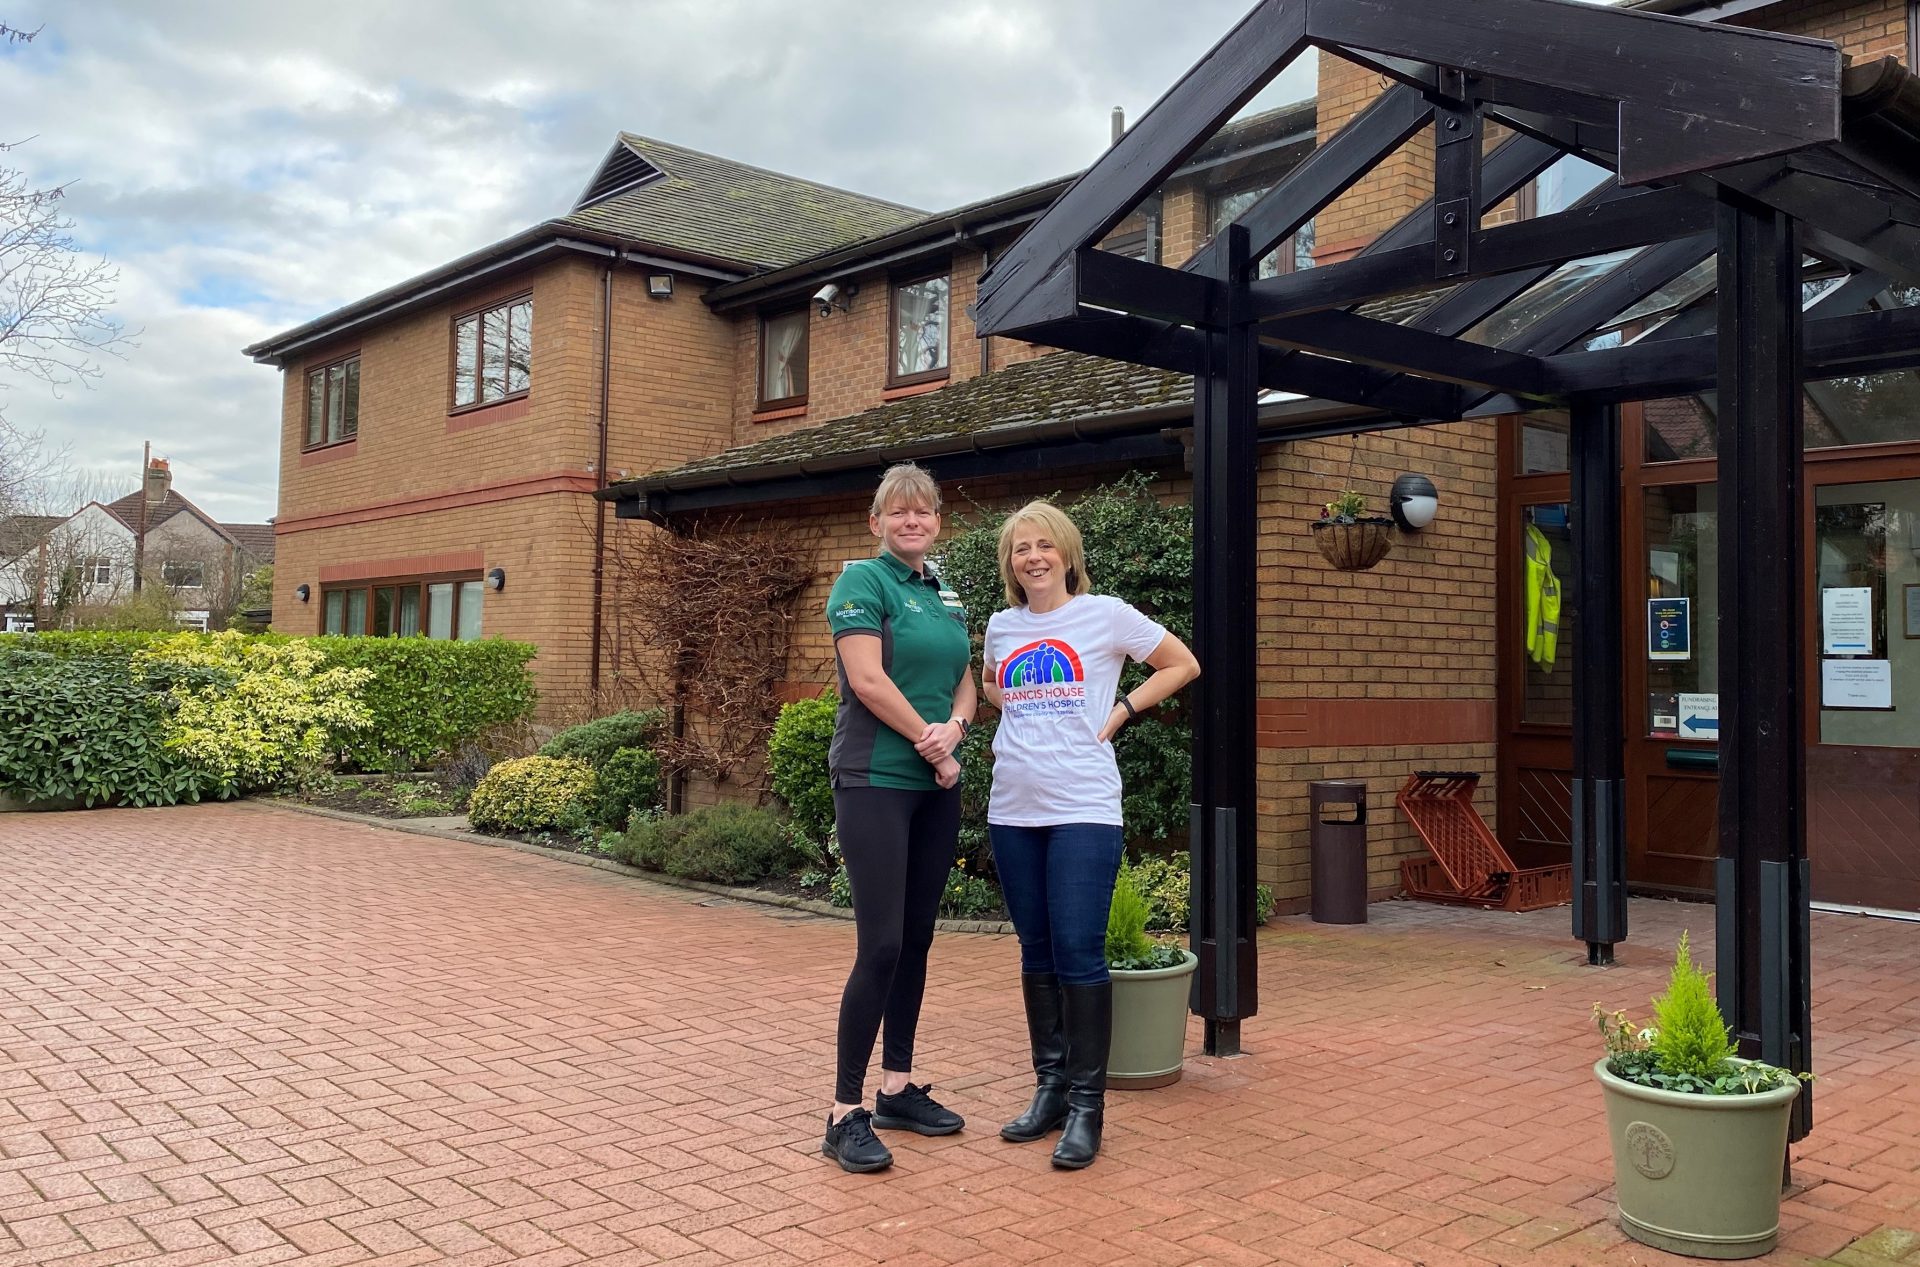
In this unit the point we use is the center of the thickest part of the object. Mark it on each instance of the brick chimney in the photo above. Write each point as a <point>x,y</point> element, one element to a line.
<point>159,481</point>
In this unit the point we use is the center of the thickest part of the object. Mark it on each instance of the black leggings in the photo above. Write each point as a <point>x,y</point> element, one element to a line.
<point>898,846</point>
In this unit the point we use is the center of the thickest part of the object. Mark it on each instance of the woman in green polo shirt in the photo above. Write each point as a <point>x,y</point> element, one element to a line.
<point>906,702</point>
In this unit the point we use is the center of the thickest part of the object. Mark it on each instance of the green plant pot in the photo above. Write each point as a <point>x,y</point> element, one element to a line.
<point>1697,1174</point>
<point>1149,1026</point>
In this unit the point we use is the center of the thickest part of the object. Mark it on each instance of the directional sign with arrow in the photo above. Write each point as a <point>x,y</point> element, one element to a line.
<point>1699,716</point>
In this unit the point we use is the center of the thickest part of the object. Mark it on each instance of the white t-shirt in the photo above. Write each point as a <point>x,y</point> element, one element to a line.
<point>1059,676</point>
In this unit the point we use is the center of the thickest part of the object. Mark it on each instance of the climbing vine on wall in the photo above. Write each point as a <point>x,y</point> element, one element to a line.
<point>706,619</point>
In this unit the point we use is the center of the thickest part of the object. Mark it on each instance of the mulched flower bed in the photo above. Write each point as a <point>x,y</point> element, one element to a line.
<point>398,796</point>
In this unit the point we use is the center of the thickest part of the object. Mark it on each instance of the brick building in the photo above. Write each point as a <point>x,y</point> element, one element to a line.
<point>709,339</point>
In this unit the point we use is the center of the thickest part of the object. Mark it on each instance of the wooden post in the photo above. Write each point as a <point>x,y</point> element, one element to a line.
<point>1599,851</point>
<point>1760,878</point>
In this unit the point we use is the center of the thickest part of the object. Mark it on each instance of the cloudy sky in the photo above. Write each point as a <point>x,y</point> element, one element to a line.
<point>249,166</point>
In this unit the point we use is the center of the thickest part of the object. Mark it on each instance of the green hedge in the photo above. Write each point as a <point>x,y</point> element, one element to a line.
<point>596,741</point>
<point>728,843</point>
<point>90,729</point>
<point>797,760</point>
<point>427,695</point>
<point>91,715</point>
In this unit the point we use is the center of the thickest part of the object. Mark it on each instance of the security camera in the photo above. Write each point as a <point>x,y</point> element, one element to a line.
<point>827,297</point>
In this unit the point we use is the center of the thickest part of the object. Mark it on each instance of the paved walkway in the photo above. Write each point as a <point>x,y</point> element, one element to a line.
<point>237,1034</point>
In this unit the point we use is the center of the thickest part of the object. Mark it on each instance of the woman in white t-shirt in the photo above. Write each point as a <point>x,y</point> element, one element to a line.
<point>1052,666</point>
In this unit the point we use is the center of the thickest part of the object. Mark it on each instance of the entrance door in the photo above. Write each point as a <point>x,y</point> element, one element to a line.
<point>1863,688</point>
<point>1671,612</point>
<point>1535,780</point>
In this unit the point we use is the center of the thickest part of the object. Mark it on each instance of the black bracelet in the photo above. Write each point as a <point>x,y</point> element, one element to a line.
<point>1128,705</point>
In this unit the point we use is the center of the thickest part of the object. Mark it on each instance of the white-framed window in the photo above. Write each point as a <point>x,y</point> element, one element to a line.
<point>96,569</point>
<point>182,574</point>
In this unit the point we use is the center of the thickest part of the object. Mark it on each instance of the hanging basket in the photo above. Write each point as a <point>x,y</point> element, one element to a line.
<point>1356,546</point>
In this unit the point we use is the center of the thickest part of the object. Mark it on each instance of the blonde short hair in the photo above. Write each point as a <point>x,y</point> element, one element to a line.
<point>905,484</point>
<point>1057,528</point>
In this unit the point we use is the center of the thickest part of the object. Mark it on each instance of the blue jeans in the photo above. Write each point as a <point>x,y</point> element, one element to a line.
<point>1058,882</point>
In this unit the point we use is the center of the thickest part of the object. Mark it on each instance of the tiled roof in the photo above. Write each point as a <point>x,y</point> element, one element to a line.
<point>127,511</point>
<point>21,533</point>
<point>1059,387</point>
<point>256,540</point>
<point>714,207</point>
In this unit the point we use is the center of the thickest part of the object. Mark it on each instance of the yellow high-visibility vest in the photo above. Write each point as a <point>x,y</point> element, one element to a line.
<point>1543,600</point>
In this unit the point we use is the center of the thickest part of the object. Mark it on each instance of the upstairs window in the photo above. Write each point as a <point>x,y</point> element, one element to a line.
<point>183,575</point>
<point>96,570</point>
<point>493,353</point>
<point>1291,256</point>
<point>333,402</point>
<point>920,328</point>
<point>783,359</point>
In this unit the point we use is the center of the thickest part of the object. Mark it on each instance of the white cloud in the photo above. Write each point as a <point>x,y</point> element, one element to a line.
<point>249,166</point>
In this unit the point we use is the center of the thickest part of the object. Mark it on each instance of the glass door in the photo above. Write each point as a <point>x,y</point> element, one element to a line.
<point>1863,634</point>
<point>1672,615</point>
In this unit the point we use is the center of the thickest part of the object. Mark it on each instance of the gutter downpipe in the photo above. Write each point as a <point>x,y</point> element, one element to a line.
<point>600,476</point>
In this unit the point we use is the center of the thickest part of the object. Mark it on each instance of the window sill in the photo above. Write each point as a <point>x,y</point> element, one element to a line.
<point>468,417</point>
<point>903,390</point>
<point>321,454</point>
<point>779,413</point>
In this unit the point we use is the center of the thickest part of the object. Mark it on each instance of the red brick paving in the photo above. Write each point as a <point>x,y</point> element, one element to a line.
<point>236,1034</point>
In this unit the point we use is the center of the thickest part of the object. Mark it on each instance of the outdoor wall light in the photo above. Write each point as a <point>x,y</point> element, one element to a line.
<point>1413,502</point>
<point>660,285</point>
<point>302,592</point>
<point>497,578</point>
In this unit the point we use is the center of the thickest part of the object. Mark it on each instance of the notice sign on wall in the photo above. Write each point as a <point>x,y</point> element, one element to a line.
<point>1846,621</point>
<point>1699,716</point>
<point>1669,629</point>
<point>1856,683</point>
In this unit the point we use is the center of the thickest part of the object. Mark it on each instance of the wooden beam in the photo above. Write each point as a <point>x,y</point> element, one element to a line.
<point>1768,94</point>
<point>1859,343</point>
<point>1322,176</point>
<point>1403,348</point>
<point>1206,97</point>
<point>1124,284</point>
<point>1865,226</point>
<point>1638,220</point>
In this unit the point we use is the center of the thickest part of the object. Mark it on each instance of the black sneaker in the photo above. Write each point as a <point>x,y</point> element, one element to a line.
<point>915,1110</point>
<point>851,1142</point>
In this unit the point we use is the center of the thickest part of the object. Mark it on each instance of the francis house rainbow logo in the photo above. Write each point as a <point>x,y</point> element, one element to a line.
<point>1043,677</point>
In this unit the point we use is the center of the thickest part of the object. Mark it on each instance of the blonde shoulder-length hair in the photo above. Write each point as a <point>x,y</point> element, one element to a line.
<point>1055,526</point>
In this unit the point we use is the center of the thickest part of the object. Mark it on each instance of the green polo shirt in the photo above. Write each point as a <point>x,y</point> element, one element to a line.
<point>924,649</point>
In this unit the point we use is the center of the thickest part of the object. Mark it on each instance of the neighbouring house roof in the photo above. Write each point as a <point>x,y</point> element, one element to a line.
<point>682,199</point>
<point>21,533</point>
<point>255,540</point>
<point>1058,388</point>
<point>127,511</point>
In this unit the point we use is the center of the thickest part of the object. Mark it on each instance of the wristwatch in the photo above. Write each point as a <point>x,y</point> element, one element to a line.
<point>966,727</point>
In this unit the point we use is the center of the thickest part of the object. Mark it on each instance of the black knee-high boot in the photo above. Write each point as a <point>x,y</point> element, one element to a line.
<point>1041,993</point>
<point>1087,1016</point>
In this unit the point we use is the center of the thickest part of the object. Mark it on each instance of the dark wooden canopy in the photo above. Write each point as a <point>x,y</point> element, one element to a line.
<point>1757,150</point>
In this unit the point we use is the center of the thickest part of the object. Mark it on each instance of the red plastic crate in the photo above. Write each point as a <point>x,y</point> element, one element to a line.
<point>1468,866</point>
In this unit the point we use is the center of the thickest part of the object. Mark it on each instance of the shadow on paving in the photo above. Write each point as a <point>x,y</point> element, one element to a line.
<point>234,1033</point>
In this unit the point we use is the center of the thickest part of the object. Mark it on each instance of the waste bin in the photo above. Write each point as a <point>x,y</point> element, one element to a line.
<point>1337,809</point>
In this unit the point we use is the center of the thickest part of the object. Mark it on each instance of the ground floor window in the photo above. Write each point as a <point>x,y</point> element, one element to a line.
<point>437,608</point>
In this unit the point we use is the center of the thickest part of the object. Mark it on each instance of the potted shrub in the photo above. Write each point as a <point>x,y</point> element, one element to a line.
<point>1699,1135</point>
<point>1348,537</point>
<point>1149,994</point>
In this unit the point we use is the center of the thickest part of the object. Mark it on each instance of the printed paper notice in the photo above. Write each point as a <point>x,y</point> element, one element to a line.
<point>1856,683</point>
<point>1846,621</point>
<point>1669,629</point>
<point>1699,716</point>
